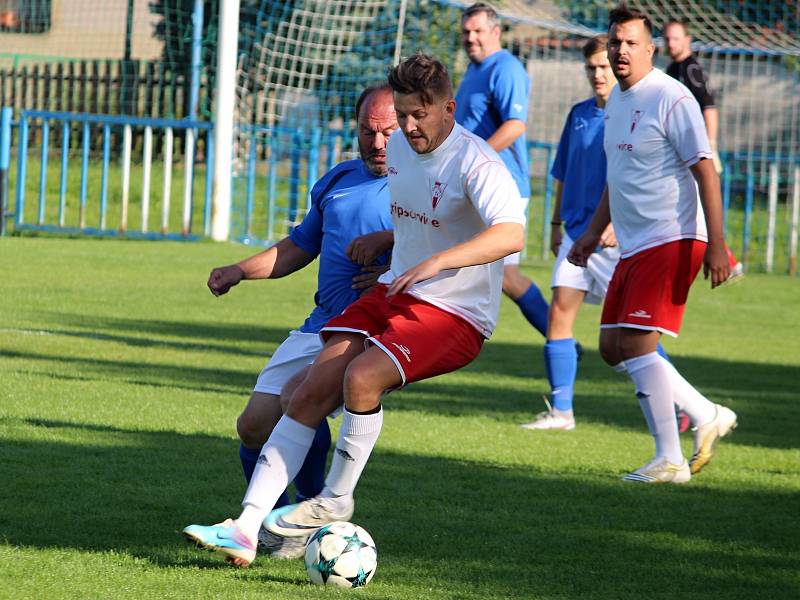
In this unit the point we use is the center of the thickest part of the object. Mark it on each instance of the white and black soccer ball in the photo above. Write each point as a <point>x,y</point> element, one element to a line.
<point>341,554</point>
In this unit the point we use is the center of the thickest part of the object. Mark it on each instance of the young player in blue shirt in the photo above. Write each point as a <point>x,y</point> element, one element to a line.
<point>492,102</point>
<point>348,227</point>
<point>580,173</point>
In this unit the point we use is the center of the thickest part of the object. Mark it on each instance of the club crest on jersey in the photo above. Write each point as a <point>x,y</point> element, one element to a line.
<point>636,116</point>
<point>392,171</point>
<point>437,193</point>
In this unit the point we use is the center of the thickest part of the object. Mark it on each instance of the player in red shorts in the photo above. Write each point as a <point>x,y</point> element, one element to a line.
<point>456,212</point>
<point>659,162</point>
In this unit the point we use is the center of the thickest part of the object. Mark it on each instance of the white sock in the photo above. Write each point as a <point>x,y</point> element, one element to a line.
<point>357,438</point>
<point>699,408</point>
<point>279,461</point>
<point>655,392</point>
<point>566,414</point>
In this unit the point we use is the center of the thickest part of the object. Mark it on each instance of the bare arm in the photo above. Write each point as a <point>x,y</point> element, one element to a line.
<point>555,222</point>
<point>365,249</point>
<point>506,134</point>
<point>280,260</point>
<point>715,262</point>
<point>488,246</point>
<point>584,246</point>
<point>711,117</point>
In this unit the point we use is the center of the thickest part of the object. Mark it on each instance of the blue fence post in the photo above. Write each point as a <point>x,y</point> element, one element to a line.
<point>331,145</point>
<point>313,164</point>
<point>197,43</point>
<point>43,169</point>
<point>104,175</point>
<point>209,181</point>
<point>294,176</point>
<point>748,213</point>
<point>251,183</point>
<point>62,194</point>
<point>272,184</point>
<point>84,174</point>
<point>5,163</point>
<point>22,165</point>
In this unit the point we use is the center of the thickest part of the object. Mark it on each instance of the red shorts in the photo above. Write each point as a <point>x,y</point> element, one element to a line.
<point>649,289</point>
<point>421,339</point>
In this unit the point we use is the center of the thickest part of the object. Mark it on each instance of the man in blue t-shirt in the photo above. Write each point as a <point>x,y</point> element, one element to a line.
<point>349,227</point>
<point>580,173</point>
<point>492,102</point>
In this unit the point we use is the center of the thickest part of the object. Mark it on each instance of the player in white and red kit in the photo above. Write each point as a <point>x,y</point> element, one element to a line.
<point>658,154</point>
<point>456,212</point>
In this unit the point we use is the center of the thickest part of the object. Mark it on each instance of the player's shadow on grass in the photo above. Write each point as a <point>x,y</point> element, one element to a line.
<point>181,333</point>
<point>189,378</point>
<point>493,530</point>
<point>152,342</point>
<point>763,395</point>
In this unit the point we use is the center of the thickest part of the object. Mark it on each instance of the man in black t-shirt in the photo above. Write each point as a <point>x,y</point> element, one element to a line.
<point>687,70</point>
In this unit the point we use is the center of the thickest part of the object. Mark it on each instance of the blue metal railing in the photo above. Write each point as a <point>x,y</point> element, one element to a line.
<point>280,166</point>
<point>55,220</point>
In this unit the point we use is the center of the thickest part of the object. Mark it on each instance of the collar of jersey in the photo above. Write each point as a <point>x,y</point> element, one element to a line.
<point>638,85</point>
<point>449,140</point>
<point>490,60</point>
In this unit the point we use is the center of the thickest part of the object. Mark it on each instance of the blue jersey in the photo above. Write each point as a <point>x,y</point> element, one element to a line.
<point>347,202</point>
<point>580,165</point>
<point>492,92</point>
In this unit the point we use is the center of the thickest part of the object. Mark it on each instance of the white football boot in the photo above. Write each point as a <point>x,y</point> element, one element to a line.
<point>304,518</point>
<point>660,470</point>
<point>706,437</point>
<point>278,546</point>
<point>550,419</point>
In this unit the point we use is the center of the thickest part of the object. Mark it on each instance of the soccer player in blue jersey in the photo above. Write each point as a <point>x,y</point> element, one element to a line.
<point>580,173</point>
<point>349,228</point>
<point>492,103</point>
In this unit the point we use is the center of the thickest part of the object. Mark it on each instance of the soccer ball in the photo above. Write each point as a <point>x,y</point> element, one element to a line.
<point>341,554</point>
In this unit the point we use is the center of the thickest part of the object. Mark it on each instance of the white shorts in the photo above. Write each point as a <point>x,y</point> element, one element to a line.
<point>296,352</point>
<point>593,279</point>
<point>513,259</point>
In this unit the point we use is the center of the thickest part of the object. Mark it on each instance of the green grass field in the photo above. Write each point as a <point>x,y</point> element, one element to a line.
<point>121,378</point>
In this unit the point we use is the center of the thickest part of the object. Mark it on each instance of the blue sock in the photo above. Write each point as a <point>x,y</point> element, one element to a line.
<point>535,308</point>
<point>249,458</point>
<point>662,353</point>
<point>561,362</point>
<point>311,478</point>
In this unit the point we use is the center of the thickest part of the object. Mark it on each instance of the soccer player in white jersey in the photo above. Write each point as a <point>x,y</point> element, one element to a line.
<point>579,171</point>
<point>659,162</point>
<point>456,213</point>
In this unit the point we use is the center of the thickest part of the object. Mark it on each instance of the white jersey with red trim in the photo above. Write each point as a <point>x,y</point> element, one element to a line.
<point>442,199</point>
<point>654,131</point>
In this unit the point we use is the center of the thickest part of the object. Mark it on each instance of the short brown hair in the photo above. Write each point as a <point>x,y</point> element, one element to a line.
<point>623,14</point>
<point>481,7</point>
<point>424,75</point>
<point>680,22</point>
<point>597,44</point>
